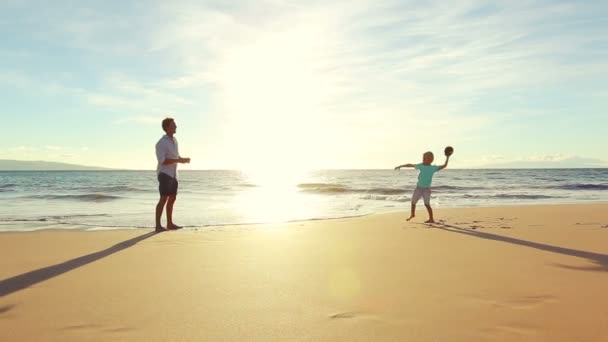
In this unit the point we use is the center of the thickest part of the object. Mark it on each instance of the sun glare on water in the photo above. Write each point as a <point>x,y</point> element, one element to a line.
<point>275,196</point>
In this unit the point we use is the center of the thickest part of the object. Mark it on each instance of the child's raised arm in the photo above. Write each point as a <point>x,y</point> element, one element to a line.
<point>404,165</point>
<point>441,167</point>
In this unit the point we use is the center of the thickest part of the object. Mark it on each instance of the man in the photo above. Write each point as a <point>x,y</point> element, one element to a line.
<point>168,156</point>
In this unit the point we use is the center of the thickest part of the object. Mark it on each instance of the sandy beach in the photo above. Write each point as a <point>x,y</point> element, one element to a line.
<point>530,273</point>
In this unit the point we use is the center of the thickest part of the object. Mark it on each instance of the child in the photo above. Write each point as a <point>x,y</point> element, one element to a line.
<point>425,177</point>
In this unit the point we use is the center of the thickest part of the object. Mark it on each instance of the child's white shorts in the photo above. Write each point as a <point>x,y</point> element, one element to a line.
<point>425,193</point>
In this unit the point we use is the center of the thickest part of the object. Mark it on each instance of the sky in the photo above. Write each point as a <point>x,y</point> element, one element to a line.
<point>270,84</point>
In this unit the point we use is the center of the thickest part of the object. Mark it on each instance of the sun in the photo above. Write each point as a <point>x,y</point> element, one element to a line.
<point>272,94</point>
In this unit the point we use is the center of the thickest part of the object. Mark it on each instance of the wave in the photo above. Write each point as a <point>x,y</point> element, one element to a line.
<point>112,188</point>
<point>52,218</point>
<point>582,186</point>
<point>63,217</point>
<point>324,188</point>
<point>511,196</point>
<point>347,190</point>
<point>380,191</point>
<point>318,185</point>
<point>82,197</point>
<point>331,188</point>
<point>457,188</point>
<point>43,219</point>
<point>387,191</point>
<point>407,198</point>
<point>244,185</point>
<point>7,187</point>
<point>376,197</point>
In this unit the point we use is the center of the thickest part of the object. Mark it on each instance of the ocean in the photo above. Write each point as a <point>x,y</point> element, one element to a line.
<point>100,200</point>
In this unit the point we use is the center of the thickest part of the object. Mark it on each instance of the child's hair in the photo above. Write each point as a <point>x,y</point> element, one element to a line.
<point>428,155</point>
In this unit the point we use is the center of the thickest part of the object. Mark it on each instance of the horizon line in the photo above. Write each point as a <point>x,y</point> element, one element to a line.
<point>106,169</point>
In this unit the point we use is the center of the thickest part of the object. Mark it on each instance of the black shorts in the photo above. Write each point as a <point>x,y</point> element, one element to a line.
<point>167,185</point>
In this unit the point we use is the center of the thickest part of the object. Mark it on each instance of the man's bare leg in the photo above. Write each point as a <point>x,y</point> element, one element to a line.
<point>413,213</point>
<point>170,224</point>
<point>159,212</point>
<point>430,210</point>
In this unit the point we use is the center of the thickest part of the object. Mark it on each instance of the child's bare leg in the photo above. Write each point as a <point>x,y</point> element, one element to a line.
<point>413,213</point>
<point>430,210</point>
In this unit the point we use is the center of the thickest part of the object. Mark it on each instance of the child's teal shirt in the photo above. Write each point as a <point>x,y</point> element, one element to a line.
<point>425,177</point>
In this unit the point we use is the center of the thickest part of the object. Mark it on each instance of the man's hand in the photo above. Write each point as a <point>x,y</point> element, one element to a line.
<point>184,160</point>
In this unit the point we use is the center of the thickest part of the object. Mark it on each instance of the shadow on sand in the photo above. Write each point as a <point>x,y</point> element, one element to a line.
<point>601,260</point>
<point>25,280</point>
<point>6,308</point>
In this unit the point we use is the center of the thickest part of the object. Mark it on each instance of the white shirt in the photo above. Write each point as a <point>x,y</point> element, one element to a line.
<point>166,148</point>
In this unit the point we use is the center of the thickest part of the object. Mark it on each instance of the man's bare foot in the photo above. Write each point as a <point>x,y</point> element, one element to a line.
<point>159,229</point>
<point>411,217</point>
<point>174,227</point>
<point>429,221</point>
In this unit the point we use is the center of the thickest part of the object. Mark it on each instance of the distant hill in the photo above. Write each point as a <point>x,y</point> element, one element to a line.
<point>23,165</point>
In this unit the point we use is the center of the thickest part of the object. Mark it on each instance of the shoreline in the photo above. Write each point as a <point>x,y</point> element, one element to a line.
<point>420,210</point>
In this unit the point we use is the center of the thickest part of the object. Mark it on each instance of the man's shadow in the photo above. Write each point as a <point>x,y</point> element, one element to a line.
<point>25,280</point>
<point>601,260</point>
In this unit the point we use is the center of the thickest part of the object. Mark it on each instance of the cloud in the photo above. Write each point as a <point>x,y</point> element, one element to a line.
<point>383,54</point>
<point>390,73</point>
<point>88,27</point>
<point>47,152</point>
<point>20,152</point>
<point>30,83</point>
<point>126,93</point>
<point>148,120</point>
<point>65,156</point>
<point>22,148</point>
<point>395,58</point>
<point>339,81</point>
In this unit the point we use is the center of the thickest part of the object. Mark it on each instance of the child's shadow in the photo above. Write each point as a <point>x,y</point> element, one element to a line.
<point>601,260</point>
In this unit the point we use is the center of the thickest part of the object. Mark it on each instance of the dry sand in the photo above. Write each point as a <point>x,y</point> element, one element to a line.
<point>532,273</point>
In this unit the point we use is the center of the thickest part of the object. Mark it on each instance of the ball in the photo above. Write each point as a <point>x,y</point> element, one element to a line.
<point>448,151</point>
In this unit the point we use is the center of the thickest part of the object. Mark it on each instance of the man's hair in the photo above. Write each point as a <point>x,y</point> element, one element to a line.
<point>166,123</point>
<point>429,153</point>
